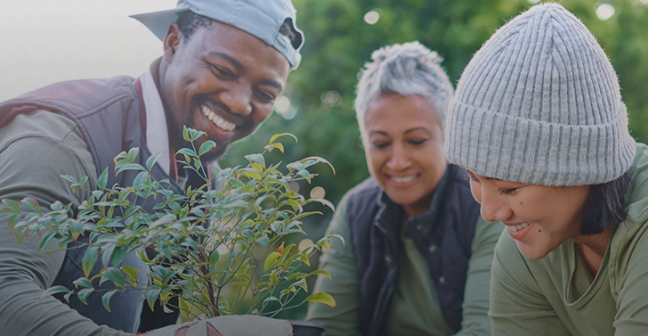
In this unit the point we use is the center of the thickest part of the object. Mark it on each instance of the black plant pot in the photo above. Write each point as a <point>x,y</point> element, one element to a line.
<point>301,328</point>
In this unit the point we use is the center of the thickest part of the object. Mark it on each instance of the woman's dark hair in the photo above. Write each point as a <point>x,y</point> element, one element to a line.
<point>605,205</point>
<point>188,22</point>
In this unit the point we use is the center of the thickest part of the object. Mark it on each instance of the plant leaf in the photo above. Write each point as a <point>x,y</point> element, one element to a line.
<point>105,299</point>
<point>271,260</point>
<point>83,295</point>
<point>324,298</point>
<point>263,241</point>
<point>89,259</point>
<point>206,147</point>
<point>276,136</point>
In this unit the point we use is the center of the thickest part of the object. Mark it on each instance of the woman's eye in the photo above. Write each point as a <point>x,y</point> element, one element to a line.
<point>506,191</point>
<point>473,178</point>
<point>379,144</point>
<point>418,141</point>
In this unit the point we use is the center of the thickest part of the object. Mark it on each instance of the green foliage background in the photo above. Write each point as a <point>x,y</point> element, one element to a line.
<point>339,41</point>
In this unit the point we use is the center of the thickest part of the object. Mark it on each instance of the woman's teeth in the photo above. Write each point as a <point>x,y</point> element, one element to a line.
<point>220,122</point>
<point>516,228</point>
<point>403,179</point>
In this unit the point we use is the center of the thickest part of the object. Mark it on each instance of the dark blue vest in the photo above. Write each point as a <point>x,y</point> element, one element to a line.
<point>107,112</point>
<point>443,236</point>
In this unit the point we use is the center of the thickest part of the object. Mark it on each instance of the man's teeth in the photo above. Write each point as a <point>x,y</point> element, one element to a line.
<point>403,179</point>
<point>516,228</point>
<point>220,122</point>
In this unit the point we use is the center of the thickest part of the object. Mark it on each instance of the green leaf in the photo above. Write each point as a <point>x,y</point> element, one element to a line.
<point>70,179</point>
<point>256,158</point>
<point>150,162</point>
<point>187,151</point>
<point>103,179</point>
<point>83,282</point>
<point>130,272</point>
<point>54,290</point>
<point>118,255</point>
<point>206,147</point>
<point>32,204</point>
<point>271,260</point>
<point>83,295</point>
<point>106,253</point>
<point>276,136</point>
<point>213,258</point>
<point>115,276</point>
<point>152,295</point>
<point>45,239</point>
<point>89,259</point>
<point>263,241</point>
<point>185,134</point>
<point>140,179</point>
<point>324,298</point>
<point>105,299</point>
<point>321,272</point>
<point>11,204</point>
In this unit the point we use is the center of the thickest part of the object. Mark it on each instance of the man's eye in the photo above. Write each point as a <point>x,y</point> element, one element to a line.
<point>222,72</point>
<point>267,97</point>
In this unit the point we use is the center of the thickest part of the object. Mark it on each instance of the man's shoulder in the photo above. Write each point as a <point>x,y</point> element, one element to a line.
<point>86,95</point>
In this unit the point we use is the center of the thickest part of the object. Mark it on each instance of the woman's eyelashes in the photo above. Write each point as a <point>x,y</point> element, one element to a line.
<point>506,191</point>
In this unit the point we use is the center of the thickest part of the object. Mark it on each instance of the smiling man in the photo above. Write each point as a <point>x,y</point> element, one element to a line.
<point>224,63</point>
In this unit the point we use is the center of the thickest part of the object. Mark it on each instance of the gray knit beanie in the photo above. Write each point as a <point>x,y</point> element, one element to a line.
<point>539,103</point>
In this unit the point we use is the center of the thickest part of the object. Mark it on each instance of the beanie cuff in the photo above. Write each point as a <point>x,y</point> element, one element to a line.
<point>511,148</point>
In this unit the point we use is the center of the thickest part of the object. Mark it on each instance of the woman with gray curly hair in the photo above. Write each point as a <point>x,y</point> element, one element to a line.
<point>417,255</point>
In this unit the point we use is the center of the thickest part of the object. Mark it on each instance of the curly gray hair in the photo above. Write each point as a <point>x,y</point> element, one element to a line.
<point>405,69</point>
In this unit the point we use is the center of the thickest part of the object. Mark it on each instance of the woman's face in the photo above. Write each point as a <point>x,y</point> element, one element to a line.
<point>405,149</point>
<point>539,218</point>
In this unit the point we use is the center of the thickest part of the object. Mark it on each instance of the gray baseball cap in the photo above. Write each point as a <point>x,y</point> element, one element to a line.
<point>272,21</point>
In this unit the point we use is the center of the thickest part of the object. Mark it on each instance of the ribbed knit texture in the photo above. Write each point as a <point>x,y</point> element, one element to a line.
<point>540,103</point>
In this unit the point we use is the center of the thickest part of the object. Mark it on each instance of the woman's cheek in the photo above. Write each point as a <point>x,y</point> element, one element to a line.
<point>476,190</point>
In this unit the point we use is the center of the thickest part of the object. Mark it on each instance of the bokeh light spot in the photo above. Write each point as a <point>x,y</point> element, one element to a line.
<point>317,192</point>
<point>372,17</point>
<point>304,244</point>
<point>605,11</point>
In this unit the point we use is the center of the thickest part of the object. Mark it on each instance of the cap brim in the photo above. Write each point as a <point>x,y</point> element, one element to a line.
<point>159,22</point>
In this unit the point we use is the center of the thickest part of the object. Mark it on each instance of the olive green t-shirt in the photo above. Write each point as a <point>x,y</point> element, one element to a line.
<point>35,150</point>
<point>414,309</point>
<point>556,295</point>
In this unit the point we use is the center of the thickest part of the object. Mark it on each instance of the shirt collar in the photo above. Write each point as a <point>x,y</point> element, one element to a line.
<point>157,135</point>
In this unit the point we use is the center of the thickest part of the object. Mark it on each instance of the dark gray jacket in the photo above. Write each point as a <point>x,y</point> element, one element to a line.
<point>108,113</point>
<point>443,236</point>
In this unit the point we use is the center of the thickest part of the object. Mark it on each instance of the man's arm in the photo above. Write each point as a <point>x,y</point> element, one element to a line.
<point>340,263</point>
<point>32,166</point>
<point>518,306</point>
<point>476,297</point>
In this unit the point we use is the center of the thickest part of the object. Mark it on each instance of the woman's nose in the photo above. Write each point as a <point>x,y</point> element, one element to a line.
<point>399,159</point>
<point>493,208</point>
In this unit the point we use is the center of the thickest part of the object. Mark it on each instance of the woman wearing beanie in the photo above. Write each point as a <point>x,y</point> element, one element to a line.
<point>539,124</point>
<point>414,262</point>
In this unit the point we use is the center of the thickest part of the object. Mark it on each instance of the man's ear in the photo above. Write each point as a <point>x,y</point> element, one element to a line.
<point>171,42</point>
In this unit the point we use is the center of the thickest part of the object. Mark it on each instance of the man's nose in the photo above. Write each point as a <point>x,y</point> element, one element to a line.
<point>493,207</point>
<point>238,100</point>
<point>399,159</point>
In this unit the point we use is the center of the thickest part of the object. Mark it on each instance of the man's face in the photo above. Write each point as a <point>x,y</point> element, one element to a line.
<point>222,81</point>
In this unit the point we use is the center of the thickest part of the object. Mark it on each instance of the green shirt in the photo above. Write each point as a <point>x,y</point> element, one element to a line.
<point>414,309</point>
<point>35,150</point>
<point>557,295</point>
